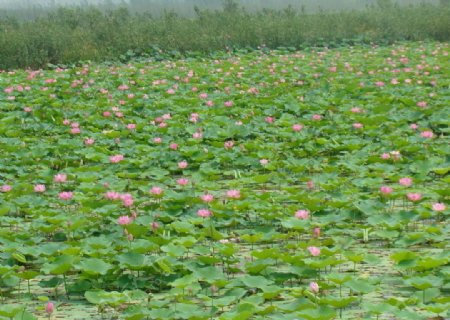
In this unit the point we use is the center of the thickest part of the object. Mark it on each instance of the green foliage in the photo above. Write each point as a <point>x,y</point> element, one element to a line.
<point>70,35</point>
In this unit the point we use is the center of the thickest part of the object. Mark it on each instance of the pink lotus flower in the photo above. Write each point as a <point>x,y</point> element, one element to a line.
<point>297,127</point>
<point>173,146</point>
<point>5,188</point>
<point>106,113</point>
<point>386,190</point>
<point>316,232</point>
<point>357,125</point>
<point>170,91</point>
<point>112,195</point>
<point>60,177</point>
<point>314,287</point>
<point>157,191</point>
<point>413,126</point>
<point>183,181</point>
<point>385,156</point>
<point>438,206</point>
<point>316,117</point>
<point>49,308</point>
<point>356,110</point>
<point>204,213</point>
<point>228,145</point>
<point>39,188</point>
<point>126,196</point>
<point>414,196</point>
<point>427,134</point>
<point>194,117</point>
<point>263,162</point>
<point>116,158</point>
<point>124,220</point>
<point>155,225</point>
<point>127,199</point>
<point>422,104</point>
<point>183,164</point>
<point>209,103</point>
<point>89,141</point>
<point>75,130</point>
<point>131,126</point>
<point>253,90</point>
<point>27,109</point>
<point>314,251</point>
<point>405,181</point>
<point>8,90</point>
<point>228,103</point>
<point>65,195</point>
<point>310,184</point>
<point>233,194</point>
<point>197,135</point>
<point>75,125</point>
<point>270,119</point>
<point>66,122</point>
<point>157,140</point>
<point>302,214</point>
<point>207,197</point>
<point>203,95</point>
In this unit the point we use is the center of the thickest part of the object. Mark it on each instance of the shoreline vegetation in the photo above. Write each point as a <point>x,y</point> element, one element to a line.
<point>67,36</point>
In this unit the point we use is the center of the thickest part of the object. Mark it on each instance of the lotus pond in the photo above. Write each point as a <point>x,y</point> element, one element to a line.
<point>252,185</point>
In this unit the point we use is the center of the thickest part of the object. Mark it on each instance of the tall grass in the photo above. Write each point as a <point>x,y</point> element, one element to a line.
<point>70,35</point>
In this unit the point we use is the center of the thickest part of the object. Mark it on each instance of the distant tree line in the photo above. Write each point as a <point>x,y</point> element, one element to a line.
<point>69,35</point>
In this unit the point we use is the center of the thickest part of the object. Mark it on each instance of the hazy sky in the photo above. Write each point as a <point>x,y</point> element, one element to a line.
<point>186,6</point>
<point>49,2</point>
